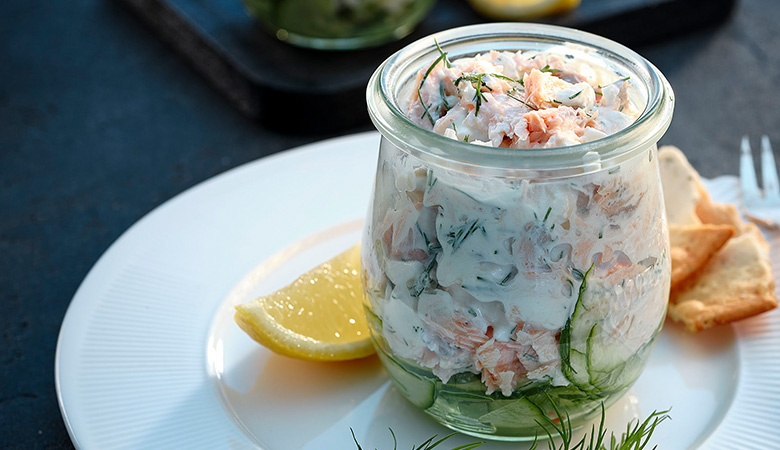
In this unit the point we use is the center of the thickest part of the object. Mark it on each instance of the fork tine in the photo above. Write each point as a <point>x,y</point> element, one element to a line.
<point>769,170</point>
<point>747,172</point>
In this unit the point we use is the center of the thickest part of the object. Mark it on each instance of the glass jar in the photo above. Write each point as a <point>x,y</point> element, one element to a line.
<point>503,284</point>
<point>339,24</point>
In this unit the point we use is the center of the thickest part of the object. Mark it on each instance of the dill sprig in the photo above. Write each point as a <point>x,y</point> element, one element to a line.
<point>443,95</point>
<point>521,101</point>
<point>471,76</point>
<point>547,68</point>
<point>504,77</point>
<point>478,82</point>
<point>615,82</point>
<point>428,444</point>
<point>610,84</point>
<point>442,57</point>
<point>636,437</point>
<point>479,97</point>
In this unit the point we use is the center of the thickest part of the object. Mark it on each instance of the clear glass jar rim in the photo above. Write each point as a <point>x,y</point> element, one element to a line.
<point>393,124</point>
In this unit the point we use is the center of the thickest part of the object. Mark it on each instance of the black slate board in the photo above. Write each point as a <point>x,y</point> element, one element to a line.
<point>271,81</point>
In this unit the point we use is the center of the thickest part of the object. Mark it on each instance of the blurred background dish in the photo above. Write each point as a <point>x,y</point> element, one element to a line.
<point>339,24</point>
<point>522,9</point>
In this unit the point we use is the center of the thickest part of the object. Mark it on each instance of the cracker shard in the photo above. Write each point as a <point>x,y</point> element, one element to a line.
<point>692,246</point>
<point>731,283</point>
<point>735,284</point>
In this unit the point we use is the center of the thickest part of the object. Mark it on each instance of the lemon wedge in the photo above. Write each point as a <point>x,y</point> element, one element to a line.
<point>522,9</point>
<point>318,317</point>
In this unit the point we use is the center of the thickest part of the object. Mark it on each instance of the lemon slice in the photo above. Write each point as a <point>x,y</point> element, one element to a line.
<point>521,9</point>
<point>318,317</point>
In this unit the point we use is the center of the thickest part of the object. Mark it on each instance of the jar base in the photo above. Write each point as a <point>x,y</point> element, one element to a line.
<point>462,405</point>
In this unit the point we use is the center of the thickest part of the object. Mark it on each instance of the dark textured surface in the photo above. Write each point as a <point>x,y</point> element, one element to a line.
<point>100,122</point>
<point>266,79</point>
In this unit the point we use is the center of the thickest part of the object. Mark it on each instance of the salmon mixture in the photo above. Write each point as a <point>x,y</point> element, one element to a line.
<point>521,100</point>
<point>479,274</point>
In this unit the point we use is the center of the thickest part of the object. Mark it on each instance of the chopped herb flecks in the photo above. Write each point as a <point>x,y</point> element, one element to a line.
<point>424,280</point>
<point>443,96</point>
<point>456,238</point>
<point>431,180</point>
<point>509,276</point>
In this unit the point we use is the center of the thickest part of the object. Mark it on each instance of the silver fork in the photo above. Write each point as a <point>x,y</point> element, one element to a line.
<point>762,205</point>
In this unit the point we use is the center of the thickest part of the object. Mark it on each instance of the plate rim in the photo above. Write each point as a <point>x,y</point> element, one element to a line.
<point>136,227</point>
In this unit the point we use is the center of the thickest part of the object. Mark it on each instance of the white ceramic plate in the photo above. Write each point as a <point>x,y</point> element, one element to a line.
<point>149,357</point>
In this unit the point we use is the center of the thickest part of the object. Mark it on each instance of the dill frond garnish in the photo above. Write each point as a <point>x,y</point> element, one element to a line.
<point>472,77</point>
<point>479,97</point>
<point>615,82</point>
<point>442,57</point>
<point>547,68</point>
<point>610,84</point>
<point>575,95</point>
<point>478,82</point>
<point>636,437</point>
<point>428,444</point>
<point>504,77</point>
<point>443,96</point>
<point>447,62</point>
<point>526,104</point>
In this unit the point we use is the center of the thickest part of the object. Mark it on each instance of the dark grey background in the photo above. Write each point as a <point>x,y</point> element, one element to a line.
<point>100,123</point>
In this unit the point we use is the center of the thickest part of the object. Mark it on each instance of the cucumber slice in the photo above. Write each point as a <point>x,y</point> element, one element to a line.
<point>465,383</point>
<point>604,353</point>
<point>417,389</point>
<point>573,343</point>
<point>610,374</point>
<point>591,358</point>
<point>515,413</point>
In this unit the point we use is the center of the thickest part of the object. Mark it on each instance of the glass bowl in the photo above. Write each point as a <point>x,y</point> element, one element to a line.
<point>508,288</point>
